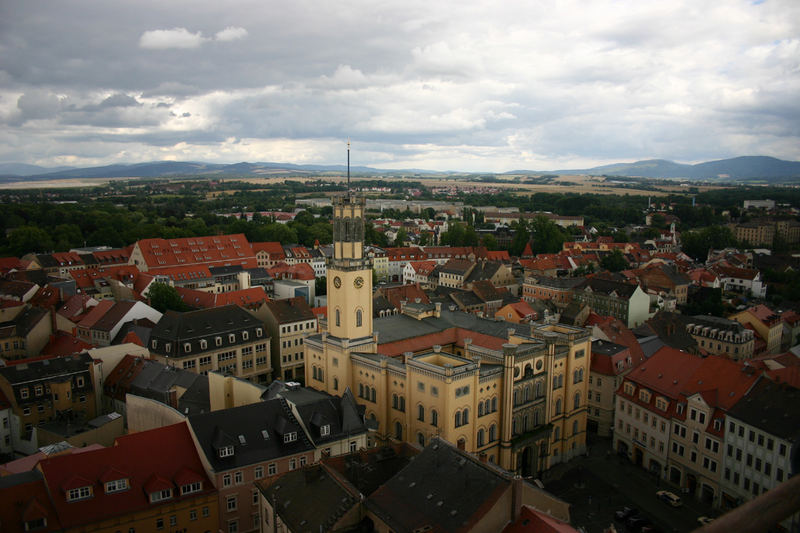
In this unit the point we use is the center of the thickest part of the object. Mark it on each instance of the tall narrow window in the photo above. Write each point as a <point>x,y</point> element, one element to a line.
<point>338,318</point>
<point>434,417</point>
<point>577,400</point>
<point>358,318</point>
<point>398,431</point>
<point>421,414</point>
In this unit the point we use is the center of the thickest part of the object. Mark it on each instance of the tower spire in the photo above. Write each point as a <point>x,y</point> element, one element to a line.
<point>348,164</point>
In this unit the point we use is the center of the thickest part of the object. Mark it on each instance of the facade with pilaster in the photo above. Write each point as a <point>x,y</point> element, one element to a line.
<point>513,393</point>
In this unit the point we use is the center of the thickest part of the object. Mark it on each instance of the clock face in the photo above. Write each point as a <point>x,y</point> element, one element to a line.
<point>337,282</point>
<point>358,282</point>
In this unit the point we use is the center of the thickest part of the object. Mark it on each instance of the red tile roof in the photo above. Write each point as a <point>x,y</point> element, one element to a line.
<point>76,305</point>
<point>96,314</point>
<point>63,343</point>
<point>150,459</point>
<point>532,521</point>
<point>85,277</point>
<point>274,249</point>
<point>215,250</point>
<point>8,264</point>
<point>26,502</point>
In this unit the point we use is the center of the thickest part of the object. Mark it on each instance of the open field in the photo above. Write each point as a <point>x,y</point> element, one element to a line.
<point>578,184</point>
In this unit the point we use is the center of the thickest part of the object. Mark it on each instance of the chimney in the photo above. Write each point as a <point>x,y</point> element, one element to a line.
<point>407,356</point>
<point>173,398</point>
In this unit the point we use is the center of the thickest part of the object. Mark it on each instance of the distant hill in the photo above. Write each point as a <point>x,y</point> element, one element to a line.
<point>735,169</point>
<point>757,168</point>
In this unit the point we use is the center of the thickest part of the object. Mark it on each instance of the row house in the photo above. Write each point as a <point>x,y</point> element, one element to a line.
<point>557,290</point>
<point>227,339</point>
<point>215,250</point>
<point>100,283</point>
<point>720,336</point>
<point>625,301</point>
<point>288,322</point>
<point>424,273</point>
<point>58,263</point>
<point>666,279</point>
<point>102,323</point>
<point>56,389</point>
<point>670,417</point>
<point>149,481</point>
<point>610,363</point>
<point>253,298</point>
<point>389,300</point>
<point>17,291</point>
<point>268,254</point>
<point>741,280</point>
<point>196,277</point>
<point>288,431</point>
<point>380,261</point>
<point>766,323</point>
<point>24,331</point>
<point>398,257</point>
<point>761,438</point>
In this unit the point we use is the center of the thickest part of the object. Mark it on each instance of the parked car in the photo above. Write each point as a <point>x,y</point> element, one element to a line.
<point>669,497</point>
<point>636,523</point>
<point>625,513</point>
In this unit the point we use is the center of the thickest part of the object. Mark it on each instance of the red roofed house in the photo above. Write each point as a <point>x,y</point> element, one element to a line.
<point>148,481</point>
<point>518,313</point>
<point>268,254</point>
<point>103,322</point>
<point>670,417</point>
<point>610,363</point>
<point>215,250</point>
<point>766,323</point>
<point>25,505</point>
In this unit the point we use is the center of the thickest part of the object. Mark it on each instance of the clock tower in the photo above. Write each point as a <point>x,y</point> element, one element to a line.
<point>350,272</point>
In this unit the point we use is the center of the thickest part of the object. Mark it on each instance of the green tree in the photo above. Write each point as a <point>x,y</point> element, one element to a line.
<point>547,236</point>
<point>401,237</point>
<point>27,239</point>
<point>521,238</point>
<point>615,261</point>
<point>165,298</point>
<point>490,242</point>
<point>321,286</point>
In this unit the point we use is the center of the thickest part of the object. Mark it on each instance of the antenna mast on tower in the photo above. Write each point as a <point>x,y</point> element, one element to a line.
<point>348,164</point>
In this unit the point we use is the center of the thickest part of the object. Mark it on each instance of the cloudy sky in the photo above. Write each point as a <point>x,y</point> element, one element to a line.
<point>475,86</point>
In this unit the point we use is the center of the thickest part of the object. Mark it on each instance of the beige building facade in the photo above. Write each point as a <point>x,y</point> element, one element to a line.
<point>521,402</point>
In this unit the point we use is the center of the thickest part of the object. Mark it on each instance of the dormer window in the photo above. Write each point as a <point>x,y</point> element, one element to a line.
<point>187,347</point>
<point>226,451</point>
<point>290,437</point>
<point>680,408</point>
<point>231,337</point>
<point>168,347</point>
<point>191,488</point>
<point>245,335</point>
<point>218,341</point>
<point>23,393</point>
<point>629,387</point>
<point>154,344</point>
<point>259,332</point>
<point>117,485</point>
<point>160,495</point>
<point>325,430</point>
<point>203,344</point>
<point>80,493</point>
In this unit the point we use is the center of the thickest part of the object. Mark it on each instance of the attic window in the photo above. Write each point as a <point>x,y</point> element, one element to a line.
<point>245,335</point>
<point>160,495</point>
<point>231,337</point>
<point>190,488</point>
<point>117,485</point>
<point>265,434</point>
<point>218,341</point>
<point>226,451</point>
<point>187,347</point>
<point>80,493</point>
<point>325,430</point>
<point>242,441</point>
<point>259,332</point>
<point>203,344</point>
<point>290,437</point>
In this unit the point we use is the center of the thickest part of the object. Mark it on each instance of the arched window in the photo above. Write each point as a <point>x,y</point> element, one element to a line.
<point>560,381</point>
<point>481,438</point>
<point>372,394</point>
<point>403,403</point>
<point>458,418</point>
<point>527,393</point>
<point>480,408</point>
<point>494,404</point>
<point>492,433</point>
<point>465,418</point>
<point>558,407</point>
<point>536,418</point>
<point>434,418</point>
<point>394,401</point>
<point>314,372</point>
<point>338,318</point>
<point>575,427</point>
<point>398,431</point>
<point>335,383</point>
<point>525,426</point>
<point>514,426</point>
<point>358,318</point>
<point>538,389</point>
<point>421,413</point>
<point>557,434</point>
<point>320,376</point>
<point>360,390</point>
<point>421,439</point>
<point>577,400</point>
<point>487,407</point>
<point>516,397</point>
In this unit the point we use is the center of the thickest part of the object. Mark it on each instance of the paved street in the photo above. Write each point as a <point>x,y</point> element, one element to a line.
<point>602,483</point>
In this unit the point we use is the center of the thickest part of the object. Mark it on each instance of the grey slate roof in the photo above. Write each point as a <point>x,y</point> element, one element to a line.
<point>25,321</point>
<point>273,417</point>
<point>442,488</point>
<point>46,368</point>
<point>606,286</point>
<point>399,327</point>
<point>289,310</point>
<point>771,407</point>
<point>559,283</point>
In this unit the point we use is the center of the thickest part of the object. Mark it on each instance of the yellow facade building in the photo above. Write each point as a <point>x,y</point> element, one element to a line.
<point>514,392</point>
